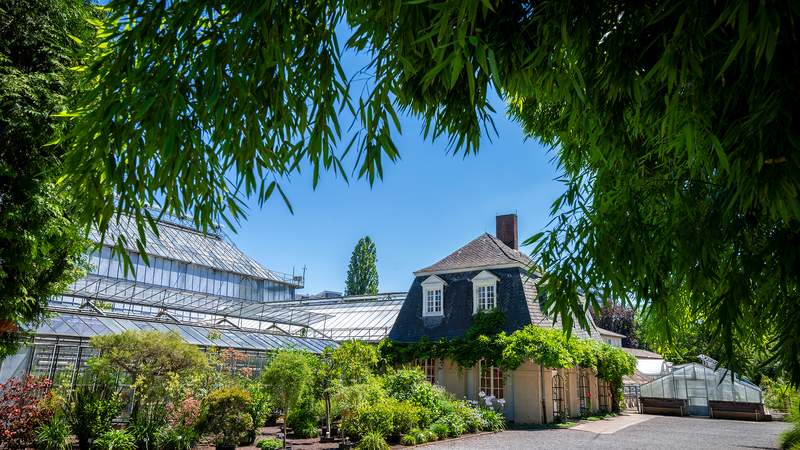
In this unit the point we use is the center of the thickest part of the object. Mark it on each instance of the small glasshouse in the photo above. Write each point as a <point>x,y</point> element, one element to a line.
<point>701,390</point>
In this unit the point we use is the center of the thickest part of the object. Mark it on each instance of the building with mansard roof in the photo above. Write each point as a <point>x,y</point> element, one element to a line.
<point>490,273</point>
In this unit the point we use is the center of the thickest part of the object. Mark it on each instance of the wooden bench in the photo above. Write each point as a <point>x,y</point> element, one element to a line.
<point>664,406</point>
<point>737,410</point>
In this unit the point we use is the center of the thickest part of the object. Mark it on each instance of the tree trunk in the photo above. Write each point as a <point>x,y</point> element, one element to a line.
<point>285,429</point>
<point>328,413</point>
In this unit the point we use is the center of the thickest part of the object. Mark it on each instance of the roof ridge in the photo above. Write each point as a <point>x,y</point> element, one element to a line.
<point>497,242</point>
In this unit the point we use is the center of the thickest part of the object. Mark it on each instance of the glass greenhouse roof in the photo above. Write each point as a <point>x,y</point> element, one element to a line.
<point>368,317</point>
<point>87,326</point>
<point>698,383</point>
<point>184,243</point>
<point>119,290</point>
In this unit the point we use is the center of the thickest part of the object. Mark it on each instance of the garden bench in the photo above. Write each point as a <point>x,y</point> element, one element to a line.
<point>664,406</point>
<point>737,410</point>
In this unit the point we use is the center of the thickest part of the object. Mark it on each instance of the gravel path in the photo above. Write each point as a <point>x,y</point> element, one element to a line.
<point>657,433</point>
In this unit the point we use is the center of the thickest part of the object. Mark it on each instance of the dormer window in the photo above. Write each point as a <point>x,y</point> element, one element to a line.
<point>484,291</point>
<point>433,296</point>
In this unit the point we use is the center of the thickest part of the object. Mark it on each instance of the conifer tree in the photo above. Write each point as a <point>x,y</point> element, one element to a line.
<point>362,274</point>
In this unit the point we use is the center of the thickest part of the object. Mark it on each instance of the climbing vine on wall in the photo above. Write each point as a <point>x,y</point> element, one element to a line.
<point>486,341</point>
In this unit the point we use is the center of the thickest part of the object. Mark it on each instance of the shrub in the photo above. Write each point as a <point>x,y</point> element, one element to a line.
<point>176,438</point>
<point>95,404</point>
<point>375,418</point>
<point>411,385</point>
<point>145,425</point>
<point>22,411</point>
<point>495,421</point>
<point>184,413</point>
<point>454,424</point>
<point>269,444</point>
<point>372,441</point>
<point>261,406</point>
<point>115,440</point>
<point>287,377</point>
<point>225,414</point>
<point>303,418</point>
<point>427,436</point>
<point>408,439</point>
<point>472,418</point>
<point>54,435</point>
<point>440,430</point>
<point>347,400</point>
<point>388,417</point>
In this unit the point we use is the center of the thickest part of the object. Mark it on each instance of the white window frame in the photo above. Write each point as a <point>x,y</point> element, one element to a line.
<point>485,280</point>
<point>433,286</point>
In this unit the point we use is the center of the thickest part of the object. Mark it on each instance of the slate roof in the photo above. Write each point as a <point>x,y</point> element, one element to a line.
<point>483,251</point>
<point>517,298</point>
<point>605,332</point>
<point>639,353</point>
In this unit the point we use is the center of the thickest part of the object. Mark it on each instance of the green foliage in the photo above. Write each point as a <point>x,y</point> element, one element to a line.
<point>176,438</point>
<point>149,357</point>
<point>779,395</point>
<point>54,435</point>
<point>440,430</point>
<point>362,273</point>
<point>95,403</point>
<point>372,441</point>
<point>287,377</point>
<point>261,404</point>
<point>225,414</point>
<point>668,121</point>
<point>790,439</point>
<point>494,419</point>
<point>411,385</point>
<point>41,243</point>
<point>350,398</point>
<point>115,440</point>
<point>408,439</point>
<point>389,417</point>
<point>304,417</point>
<point>269,444</point>
<point>452,422</point>
<point>354,361</point>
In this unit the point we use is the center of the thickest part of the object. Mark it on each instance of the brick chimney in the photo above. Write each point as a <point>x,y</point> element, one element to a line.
<point>507,230</point>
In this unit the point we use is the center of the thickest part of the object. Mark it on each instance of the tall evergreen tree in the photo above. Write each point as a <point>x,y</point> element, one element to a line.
<point>362,274</point>
<point>40,245</point>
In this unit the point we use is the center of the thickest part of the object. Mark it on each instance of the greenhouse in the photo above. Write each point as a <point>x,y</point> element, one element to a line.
<point>699,389</point>
<point>198,285</point>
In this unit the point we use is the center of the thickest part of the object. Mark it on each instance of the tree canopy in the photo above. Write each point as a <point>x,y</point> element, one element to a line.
<point>672,122</point>
<point>40,244</point>
<point>362,273</point>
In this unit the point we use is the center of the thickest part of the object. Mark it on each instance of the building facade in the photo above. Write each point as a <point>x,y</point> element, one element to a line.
<point>491,273</point>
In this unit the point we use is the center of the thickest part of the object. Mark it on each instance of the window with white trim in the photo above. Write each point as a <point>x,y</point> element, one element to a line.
<point>433,303</point>
<point>484,292</point>
<point>428,367</point>
<point>487,298</point>
<point>433,296</point>
<point>492,381</point>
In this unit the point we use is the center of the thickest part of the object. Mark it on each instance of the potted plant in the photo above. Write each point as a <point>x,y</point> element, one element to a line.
<point>226,415</point>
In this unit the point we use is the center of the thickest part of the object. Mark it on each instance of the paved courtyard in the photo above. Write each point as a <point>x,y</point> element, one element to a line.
<point>635,432</point>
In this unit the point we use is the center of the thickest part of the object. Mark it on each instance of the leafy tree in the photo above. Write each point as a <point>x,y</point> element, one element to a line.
<point>287,377</point>
<point>354,362</point>
<point>40,244</point>
<point>362,274</point>
<point>672,123</point>
<point>619,319</point>
<point>150,359</point>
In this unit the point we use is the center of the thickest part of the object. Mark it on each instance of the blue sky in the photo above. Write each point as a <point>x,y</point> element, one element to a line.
<point>427,205</point>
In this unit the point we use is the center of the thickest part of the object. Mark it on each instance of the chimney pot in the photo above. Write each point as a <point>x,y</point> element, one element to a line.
<point>507,230</point>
